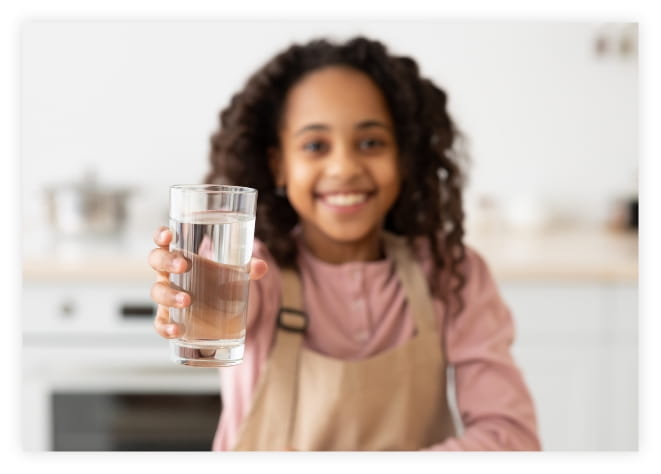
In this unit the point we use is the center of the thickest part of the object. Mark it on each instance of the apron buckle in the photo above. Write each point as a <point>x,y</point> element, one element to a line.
<point>292,320</point>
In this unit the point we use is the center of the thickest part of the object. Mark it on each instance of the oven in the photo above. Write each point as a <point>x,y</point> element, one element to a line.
<point>96,376</point>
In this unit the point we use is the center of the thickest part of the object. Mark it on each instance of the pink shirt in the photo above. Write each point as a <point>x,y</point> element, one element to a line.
<point>358,309</point>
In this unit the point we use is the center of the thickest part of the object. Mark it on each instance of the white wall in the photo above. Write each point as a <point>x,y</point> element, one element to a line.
<point>138,101</point>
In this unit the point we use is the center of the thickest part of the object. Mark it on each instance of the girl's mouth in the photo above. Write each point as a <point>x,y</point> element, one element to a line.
<point>345,201</point>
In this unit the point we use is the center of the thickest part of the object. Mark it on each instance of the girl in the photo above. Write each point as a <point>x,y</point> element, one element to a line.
<point>370,294</point>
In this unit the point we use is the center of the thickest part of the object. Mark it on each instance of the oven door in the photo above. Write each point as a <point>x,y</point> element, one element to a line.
<point>125,421</point>
<point>109,398</point>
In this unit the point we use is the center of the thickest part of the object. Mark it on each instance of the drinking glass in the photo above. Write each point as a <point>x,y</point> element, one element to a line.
<point>213,228</point>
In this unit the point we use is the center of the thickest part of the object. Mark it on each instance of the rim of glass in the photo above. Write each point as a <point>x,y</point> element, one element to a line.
<point>214,188</point>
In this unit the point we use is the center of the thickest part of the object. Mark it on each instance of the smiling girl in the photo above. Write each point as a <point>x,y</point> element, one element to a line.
<point>363,292</point>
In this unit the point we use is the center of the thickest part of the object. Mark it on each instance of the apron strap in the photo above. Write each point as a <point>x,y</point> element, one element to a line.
<point>271,420</point>
<point>292,323</point>
<point>413,280</point>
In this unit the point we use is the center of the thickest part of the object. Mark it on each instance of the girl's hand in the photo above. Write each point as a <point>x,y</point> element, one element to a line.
<point>165,262</point>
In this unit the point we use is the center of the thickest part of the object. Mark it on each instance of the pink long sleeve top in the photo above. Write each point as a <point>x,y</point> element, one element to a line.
<point>357,310</point>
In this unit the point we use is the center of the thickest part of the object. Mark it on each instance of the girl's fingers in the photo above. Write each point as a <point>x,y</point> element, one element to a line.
<point>163,294</point>
<point>163,325</point>
<point>164,261</point>
<point>258,268</point>
<point>163,236</point>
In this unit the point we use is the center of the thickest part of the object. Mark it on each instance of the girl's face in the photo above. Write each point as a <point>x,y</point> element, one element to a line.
<point>338,159</point>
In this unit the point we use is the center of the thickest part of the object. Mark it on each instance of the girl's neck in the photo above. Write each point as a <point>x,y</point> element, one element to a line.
<point>333,251</point>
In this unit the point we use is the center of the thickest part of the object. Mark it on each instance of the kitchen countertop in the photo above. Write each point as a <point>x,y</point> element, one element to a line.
<point>120,258</point>
<point>559,254</point>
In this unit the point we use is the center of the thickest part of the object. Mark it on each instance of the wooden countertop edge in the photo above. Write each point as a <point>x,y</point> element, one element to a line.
<point>37,271</point>
<point>543,260</point>
<point>127,271</point>
<point>567,275</point>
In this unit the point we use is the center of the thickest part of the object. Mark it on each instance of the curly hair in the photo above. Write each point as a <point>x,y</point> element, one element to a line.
<point>430,201</point>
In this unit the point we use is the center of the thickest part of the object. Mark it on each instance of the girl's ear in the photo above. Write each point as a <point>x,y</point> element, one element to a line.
<point>277,166</point>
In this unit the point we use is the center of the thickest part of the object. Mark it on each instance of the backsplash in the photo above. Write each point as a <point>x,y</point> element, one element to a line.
<point>548,121</point>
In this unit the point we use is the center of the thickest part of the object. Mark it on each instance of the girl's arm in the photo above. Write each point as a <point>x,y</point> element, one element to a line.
<point>496,408</point>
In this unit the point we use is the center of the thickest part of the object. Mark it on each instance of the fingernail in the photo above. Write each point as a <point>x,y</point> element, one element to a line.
<point>179,263</point>
<point>170,330</point>
<point>162,235</point>
<point>180,298</point>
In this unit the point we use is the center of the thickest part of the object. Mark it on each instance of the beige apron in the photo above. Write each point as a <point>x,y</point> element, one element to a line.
<point>395,400</point>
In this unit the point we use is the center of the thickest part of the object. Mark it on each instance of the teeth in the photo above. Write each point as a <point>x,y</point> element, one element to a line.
<point>345,199</point>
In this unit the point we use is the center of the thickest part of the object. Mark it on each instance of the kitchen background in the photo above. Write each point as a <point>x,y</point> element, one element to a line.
<point>550,110</point>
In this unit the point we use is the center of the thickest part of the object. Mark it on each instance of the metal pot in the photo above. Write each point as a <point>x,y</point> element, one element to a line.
<point>87,209</point>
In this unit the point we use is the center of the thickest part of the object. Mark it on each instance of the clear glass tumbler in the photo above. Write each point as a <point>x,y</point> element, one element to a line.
<point>213,228</point>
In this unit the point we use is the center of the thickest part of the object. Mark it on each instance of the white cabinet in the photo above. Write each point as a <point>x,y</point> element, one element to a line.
<point>622,356</point>
<point>576,344</point>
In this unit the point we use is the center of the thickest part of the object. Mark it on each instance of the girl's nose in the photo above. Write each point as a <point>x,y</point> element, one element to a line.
<point>343,163</point>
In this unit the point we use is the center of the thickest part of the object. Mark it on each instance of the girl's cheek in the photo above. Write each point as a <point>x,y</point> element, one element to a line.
<point>300,175</point>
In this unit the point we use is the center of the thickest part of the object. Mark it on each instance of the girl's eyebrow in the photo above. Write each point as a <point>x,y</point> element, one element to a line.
<point>360,126</point>
<point>312,126</point>
<point>372,123</point>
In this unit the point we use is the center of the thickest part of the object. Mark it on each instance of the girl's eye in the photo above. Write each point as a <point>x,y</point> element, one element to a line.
<point>370,143</point>
<point>314,146</point>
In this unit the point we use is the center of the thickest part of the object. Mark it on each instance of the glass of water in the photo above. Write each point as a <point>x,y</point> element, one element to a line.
<point>213,227</point>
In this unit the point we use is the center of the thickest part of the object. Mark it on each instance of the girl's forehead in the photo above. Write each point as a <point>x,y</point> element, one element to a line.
<point>334,95</point>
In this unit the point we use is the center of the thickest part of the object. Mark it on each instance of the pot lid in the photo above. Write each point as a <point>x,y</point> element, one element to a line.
<point>88,184</point>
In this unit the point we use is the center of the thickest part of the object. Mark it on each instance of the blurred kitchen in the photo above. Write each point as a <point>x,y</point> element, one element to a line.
<point>113,112</point>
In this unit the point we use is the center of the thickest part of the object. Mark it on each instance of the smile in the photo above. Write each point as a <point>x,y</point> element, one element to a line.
<point>345,200</point>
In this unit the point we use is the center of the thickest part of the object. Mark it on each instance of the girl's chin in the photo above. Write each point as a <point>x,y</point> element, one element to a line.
<point>349,234</point>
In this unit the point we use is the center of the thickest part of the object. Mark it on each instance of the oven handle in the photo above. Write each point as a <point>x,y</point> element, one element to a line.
<point>137,310</point>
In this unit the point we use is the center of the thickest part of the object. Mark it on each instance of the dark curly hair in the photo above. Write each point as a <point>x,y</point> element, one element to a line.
<point>430,201</point>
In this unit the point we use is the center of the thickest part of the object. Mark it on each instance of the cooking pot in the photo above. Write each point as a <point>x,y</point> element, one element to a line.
<point>87,209</point>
